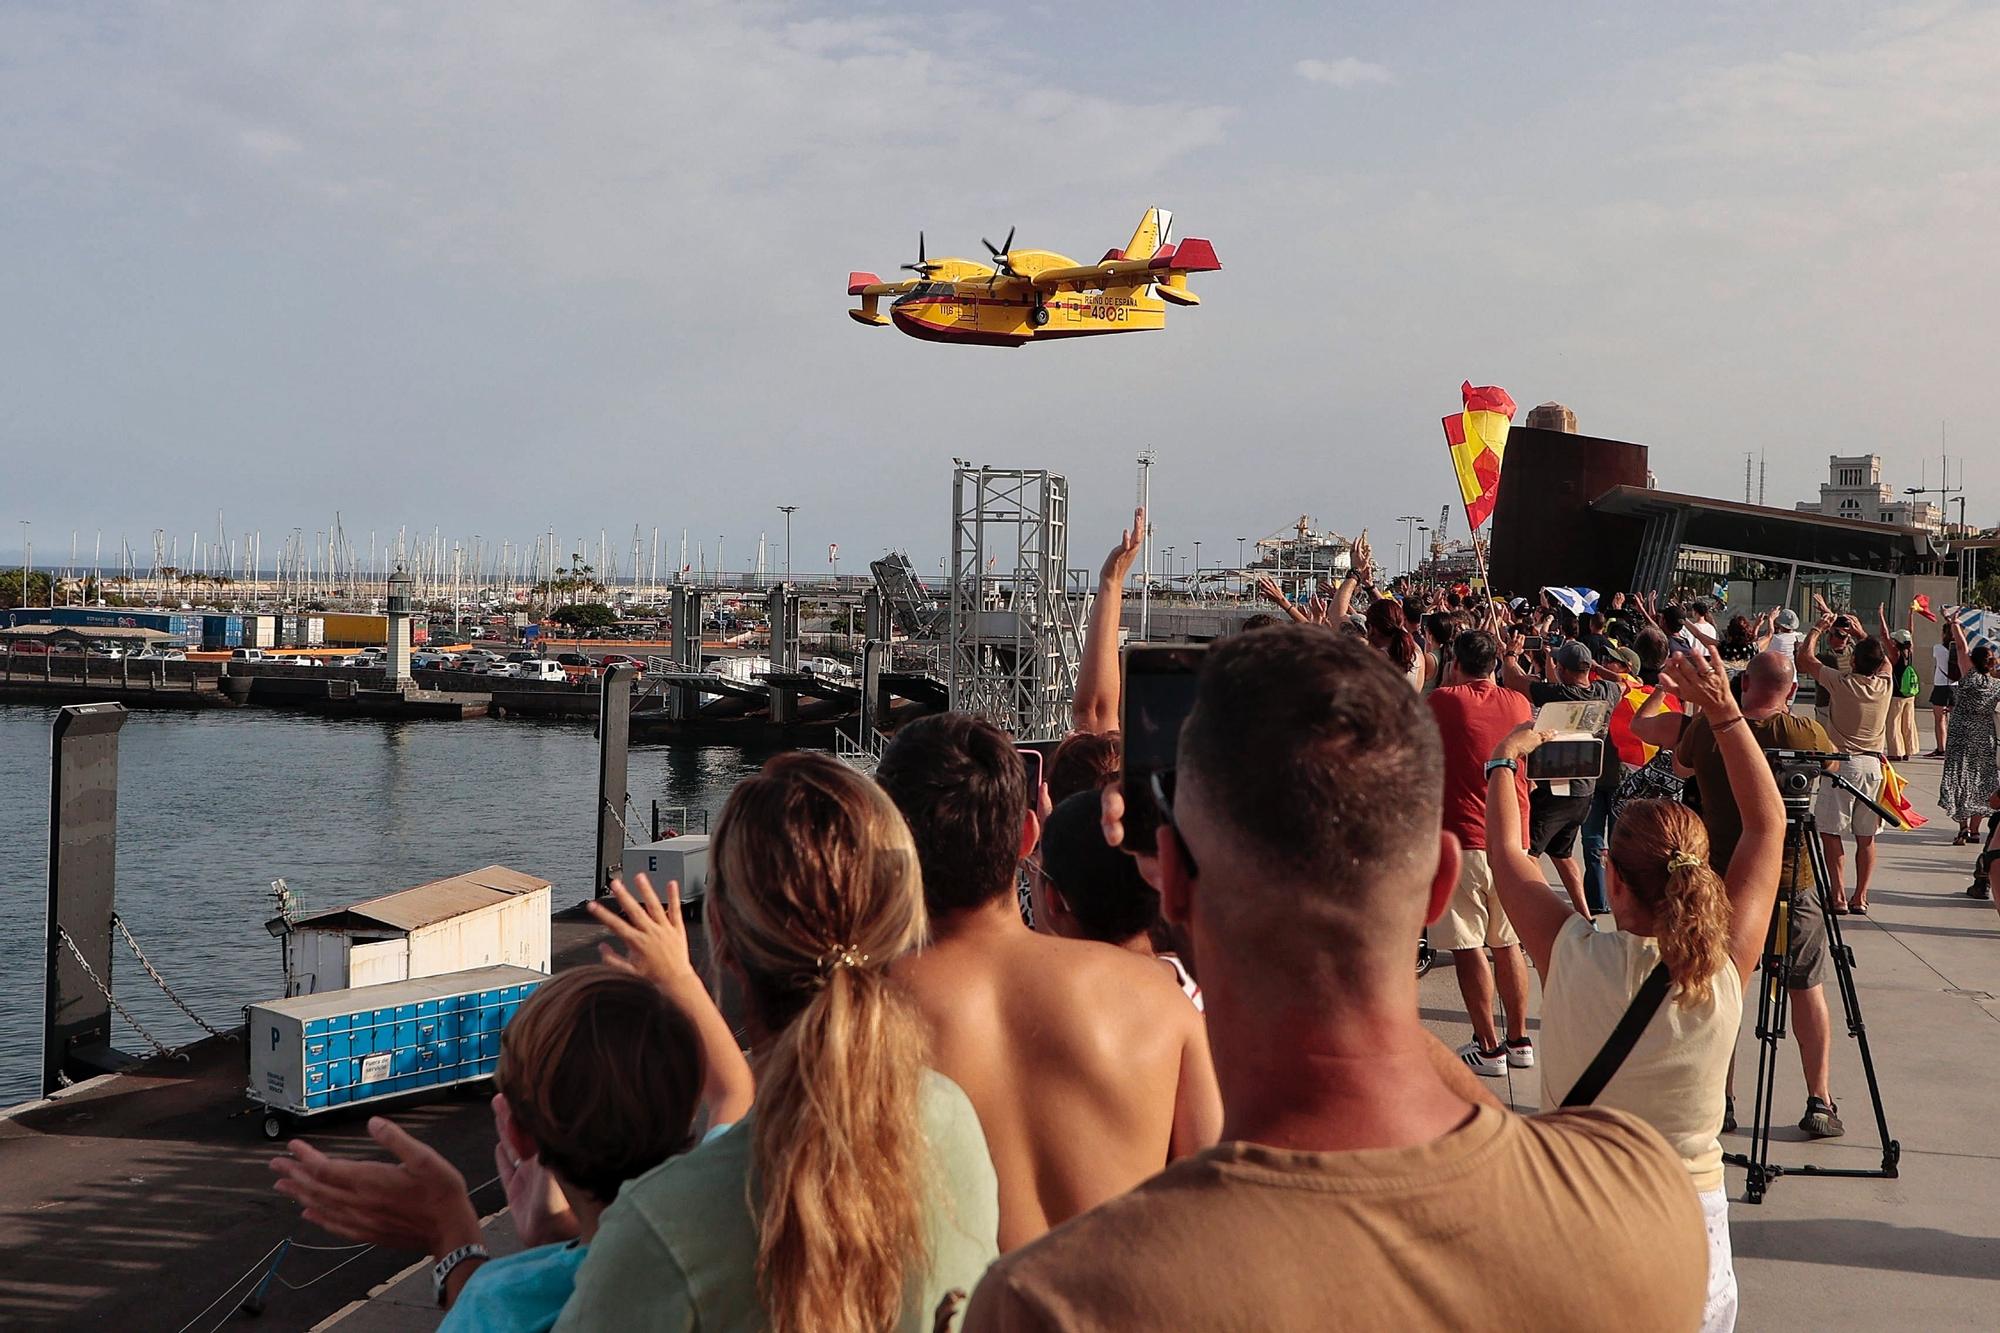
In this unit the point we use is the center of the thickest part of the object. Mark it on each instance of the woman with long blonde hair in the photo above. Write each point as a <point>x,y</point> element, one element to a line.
<point>1685,942</point>
<point>857,1195</point>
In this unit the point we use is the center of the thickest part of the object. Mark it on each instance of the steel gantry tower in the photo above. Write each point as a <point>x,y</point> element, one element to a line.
<point>1015,631</point>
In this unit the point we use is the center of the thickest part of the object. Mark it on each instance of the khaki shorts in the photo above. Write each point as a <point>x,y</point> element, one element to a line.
<point>1474,918</point>
<point>1836,812</point>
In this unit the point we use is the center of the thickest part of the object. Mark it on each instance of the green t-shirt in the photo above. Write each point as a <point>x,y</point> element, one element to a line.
<point>678,1249</point>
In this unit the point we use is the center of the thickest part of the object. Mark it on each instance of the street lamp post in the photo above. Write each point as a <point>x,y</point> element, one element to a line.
<point>788,511</point>
<point>24,565</point>
<point>1197,569</point>
<point>1410,522</point>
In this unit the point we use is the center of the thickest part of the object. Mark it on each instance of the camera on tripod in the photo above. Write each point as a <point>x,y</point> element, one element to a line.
<point>1798,774</point>
<point>1797,771</point>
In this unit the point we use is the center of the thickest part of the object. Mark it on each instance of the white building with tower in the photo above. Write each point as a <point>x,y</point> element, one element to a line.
<point>1854,489</point>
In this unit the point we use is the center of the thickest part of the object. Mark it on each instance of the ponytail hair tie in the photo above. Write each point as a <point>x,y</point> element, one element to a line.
<point>1684,861</point>
<point>845,955</point>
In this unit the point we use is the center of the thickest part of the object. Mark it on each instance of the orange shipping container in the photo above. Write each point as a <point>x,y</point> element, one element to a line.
<point>356,631</point>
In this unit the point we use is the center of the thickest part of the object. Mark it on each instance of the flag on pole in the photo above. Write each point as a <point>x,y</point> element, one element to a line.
<point>1895,798</point>
<point>1478,438</point>
<point>1921,604</point>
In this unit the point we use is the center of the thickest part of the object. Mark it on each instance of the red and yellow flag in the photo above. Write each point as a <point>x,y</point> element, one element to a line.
<point>1896,799</point>
<point>1921,604</point>
<point>1478,439</point>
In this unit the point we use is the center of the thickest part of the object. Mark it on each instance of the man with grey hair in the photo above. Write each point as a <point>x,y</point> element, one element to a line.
<point>1769,683</point>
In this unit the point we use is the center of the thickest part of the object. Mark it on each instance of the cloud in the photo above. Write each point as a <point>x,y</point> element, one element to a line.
<point>1922,81</point>
<point>1346,72</point>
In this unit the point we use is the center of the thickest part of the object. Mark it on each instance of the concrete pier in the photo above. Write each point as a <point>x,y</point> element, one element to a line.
<point>134,1200</point>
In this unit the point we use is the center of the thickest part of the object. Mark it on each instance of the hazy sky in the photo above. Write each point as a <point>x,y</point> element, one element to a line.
<point>498,267</point>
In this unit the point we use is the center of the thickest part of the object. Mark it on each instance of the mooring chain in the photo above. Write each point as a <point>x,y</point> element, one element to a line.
<point>159,1047</point>
<point>161,981</point>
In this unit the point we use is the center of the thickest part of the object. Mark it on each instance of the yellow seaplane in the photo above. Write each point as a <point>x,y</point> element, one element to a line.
<point>1029,295</point>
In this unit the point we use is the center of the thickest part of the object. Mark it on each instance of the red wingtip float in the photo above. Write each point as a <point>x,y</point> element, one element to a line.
<point>1478,439</point>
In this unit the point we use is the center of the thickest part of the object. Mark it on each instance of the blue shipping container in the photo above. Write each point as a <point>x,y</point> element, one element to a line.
<point>86,615</point>
<point>312,1053</point>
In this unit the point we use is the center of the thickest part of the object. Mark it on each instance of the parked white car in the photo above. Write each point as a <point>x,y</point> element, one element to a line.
<point>540,669</point>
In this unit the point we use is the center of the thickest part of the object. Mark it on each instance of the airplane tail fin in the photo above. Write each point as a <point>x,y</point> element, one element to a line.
<point>1154,231</point>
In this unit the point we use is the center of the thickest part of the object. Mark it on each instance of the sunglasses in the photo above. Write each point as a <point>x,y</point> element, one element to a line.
<point>1162,784</point>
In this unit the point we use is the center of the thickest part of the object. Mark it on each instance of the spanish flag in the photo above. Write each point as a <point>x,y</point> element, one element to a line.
<point>1921,604</point>
<point>1478,438</point>
<point>1895,798</point>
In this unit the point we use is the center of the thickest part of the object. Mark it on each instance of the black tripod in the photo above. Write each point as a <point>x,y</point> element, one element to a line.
<point>1797,773</point>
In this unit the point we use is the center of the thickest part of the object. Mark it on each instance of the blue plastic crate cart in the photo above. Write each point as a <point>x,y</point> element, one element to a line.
<point>341,1048</point>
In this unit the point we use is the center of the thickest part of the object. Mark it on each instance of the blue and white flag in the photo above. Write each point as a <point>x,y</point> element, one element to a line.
<point>1978,626</point>
<point>1721,591</point>
<point>1577,601</point>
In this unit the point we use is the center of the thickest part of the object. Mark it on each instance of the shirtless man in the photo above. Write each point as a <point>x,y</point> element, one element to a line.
<point>1088,1067</point>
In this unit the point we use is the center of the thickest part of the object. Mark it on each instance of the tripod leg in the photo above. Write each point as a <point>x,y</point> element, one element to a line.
<point>1773,1002</point>
<point>1857,1028</point>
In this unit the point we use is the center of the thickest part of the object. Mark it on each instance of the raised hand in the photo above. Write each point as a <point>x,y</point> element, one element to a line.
<point>1521,742</point>
<point>540,1209</point>
<point>418,1202</point>
<point>1701,681</point>
<point>1119,563</point>
<point>654,936</point>
<point>1268,588</point>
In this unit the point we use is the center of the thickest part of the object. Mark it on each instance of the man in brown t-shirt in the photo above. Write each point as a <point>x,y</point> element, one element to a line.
<point>1857,703</point>
<point>1354,1187</point>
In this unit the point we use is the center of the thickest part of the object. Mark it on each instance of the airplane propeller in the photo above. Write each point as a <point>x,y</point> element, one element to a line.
<point>999,253</point>
<point>921,268</point>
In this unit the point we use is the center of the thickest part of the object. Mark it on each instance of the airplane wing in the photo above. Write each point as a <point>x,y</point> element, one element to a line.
<point>1168,267</point>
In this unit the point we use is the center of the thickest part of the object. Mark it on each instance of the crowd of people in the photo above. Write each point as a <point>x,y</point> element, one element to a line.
<point>1196,1091</point>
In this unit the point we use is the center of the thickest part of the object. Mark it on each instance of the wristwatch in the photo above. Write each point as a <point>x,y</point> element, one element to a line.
<point>1511,765</point>
<point>442,1269</point>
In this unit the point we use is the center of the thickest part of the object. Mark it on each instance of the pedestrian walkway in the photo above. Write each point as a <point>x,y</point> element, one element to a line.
<point>1921,1251</point>
<point>406,1302</point>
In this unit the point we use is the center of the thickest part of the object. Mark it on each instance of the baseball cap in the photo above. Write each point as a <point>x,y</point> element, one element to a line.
<point>1574,656</point>
<point>1788,620</point>
<point>1901,636</point>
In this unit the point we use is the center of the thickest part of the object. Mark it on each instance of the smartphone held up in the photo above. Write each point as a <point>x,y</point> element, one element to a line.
<point>1158,696</point>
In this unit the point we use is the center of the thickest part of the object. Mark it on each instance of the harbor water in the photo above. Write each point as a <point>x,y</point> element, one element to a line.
<point>213,807</point>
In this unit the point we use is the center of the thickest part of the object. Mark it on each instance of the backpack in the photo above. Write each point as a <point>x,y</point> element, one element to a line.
<point>1906,682</point>
<point>1653,782</point>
